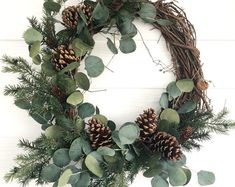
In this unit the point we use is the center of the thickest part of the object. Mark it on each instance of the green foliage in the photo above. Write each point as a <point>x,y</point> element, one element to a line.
<point>93,165</point>
<point>173,90</point>
<point>64,178</point>
<point>205,178</point>
<point>31,36</point>
<point>86,110</point>
<point>127,45</point>
<point>82,80</point>
<point>75,151</point>
<point>170,115</point>
<point>111,46</point>
<point>51,173</point>
<point>29,165</point>
<point>94,66</point>
<point>185,85</point>
<point>75,98</point>
<point>148,12</point>
<point>61,157</point>
<point>128,133</point>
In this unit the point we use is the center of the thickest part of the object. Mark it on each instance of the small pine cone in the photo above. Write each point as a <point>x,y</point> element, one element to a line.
<point>58,93</point>
<point>99,135</point>
<point>70,15</point>
<point>147,123</point>
<point>166,144</point>
<point>62,56</point>
<point>202,85</point>
<point>186,133</point>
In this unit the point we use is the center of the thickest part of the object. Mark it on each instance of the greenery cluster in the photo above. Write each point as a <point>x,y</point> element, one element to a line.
<point>55,99</point>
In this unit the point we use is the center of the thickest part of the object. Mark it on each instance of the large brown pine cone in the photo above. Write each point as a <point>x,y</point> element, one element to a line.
<point>147,123</point>
<point>71,16</point>
<point>166,144</point>
<point>99,134</point>
<point>62,56</point>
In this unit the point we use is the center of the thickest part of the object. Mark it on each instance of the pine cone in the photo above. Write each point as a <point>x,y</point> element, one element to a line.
<point>58,93</point>
<point>186,133</point>
<point>70,15</point>
<point>99,135</point>
<point>147,123</point>
<point>62,56</point>
<point>166,144</point>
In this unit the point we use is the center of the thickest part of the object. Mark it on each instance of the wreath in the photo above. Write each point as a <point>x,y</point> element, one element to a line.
<point>79,145</point>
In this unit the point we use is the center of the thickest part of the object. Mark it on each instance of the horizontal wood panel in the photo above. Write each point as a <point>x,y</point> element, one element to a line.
<point>213,23</point>
<point>136,70</point>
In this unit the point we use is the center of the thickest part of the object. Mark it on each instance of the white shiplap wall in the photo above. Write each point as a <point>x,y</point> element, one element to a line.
<point>135,83</point>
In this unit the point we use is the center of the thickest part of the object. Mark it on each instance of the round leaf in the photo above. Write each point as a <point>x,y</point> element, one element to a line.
<point>205,178</point>
<point>164,100</point>
<point>101,118</point>
<point>158,181</point>
<point>70,67</point>
<point>51,173</point>
<point>185,85</point>
<point>127,45</point>
<point>61,157</point>
<point>34,49</point>
<point>148,12</point>
<point>23,104</point>
<point>128,133</point>
<point>112,46</point>
<point>187,107</point>
<point>82,81</point>
<point>54,132</point>
<point>75,98</point>
<point>93,165</point>
<point>64,178</point>
<point>188,173</point>
<point>75,151</point>
<point>94,66</point>
<point>177,177</point>
<point>80,180</point>
<point>48,69</point>
<point>170,115</point>
<point>31,35</point>
<point>101,13</point>
<point>86,147</point>
<point>106,151</point>
<point>111,125</point>
<point>86,110</point>
<point>51,6</point>
<point>151,172</point>
<point>173,90</point>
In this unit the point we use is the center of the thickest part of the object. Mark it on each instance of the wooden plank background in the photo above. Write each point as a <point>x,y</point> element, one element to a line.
<point>135,83</point>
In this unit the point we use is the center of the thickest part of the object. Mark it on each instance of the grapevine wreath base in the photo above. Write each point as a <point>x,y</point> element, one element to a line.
<point>79,145</point>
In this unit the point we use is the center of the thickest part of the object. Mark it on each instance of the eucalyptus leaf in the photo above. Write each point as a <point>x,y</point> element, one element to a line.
<point>170,115</point>
<point>75,151</point>
<point>23,104</point>
<point>48,69</point>
<point>101,118</point>
<point>86,110</point>
<point>51,6</point>
<point>158,181</point>
<point>34,49</point>
<point>173,90</point>
<point>111,125</point>
<point>75,98</point>
<point>127,45</point>
<point>185,85</point>
<point>187,107</point>
<point>127,29</point>
<point>116,139</point>
<point>37,60</point>
<point>148,12</point>
<point>188,173</point>
<point>82,80</point>
<point>61,157</point>
<point>112,46</point>
<point>128,133</point>
<point>151,172</point>
<point>205,178</point>
<point>54,132</point>
<point>70,67</point>
<point>106,151</point>
<point>93,165</point>
<point>50,173</point>
<point>86,147</point>
<point>64,178</point>
<point>94,66</point>
<point>31,35</point>
<point>177,176</point>
<point>101,13</point>
<point>80,47</point>
<point>82,179</point>
<point>164,103</point>
<point>39,118</point>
